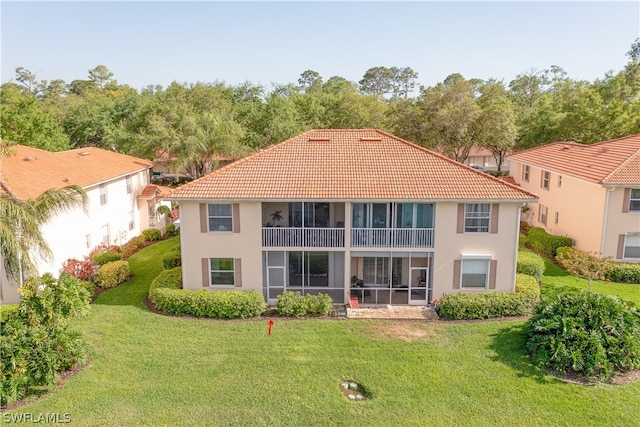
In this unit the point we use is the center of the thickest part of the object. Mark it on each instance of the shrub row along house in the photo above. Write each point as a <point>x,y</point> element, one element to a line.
<point>350,213</point>
<point>590,193</point>
<point>121,200</point>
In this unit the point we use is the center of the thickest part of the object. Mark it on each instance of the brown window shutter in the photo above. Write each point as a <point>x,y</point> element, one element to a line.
<point>204,220</point>
<point>620,253</point>
<point>236,217</point>
<point>493,264</point>
<point>495,212</point>
<point>206,272</point>
<point>237,272</point>
<point>461,207</point>
<point>626,200</point>
<point>456,273</point>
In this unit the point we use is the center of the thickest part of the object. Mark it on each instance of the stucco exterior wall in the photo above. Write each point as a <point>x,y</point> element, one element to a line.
<point>617,222</point>
<point>580,206</point>
<point>245,245</point>
<point>450,245</point>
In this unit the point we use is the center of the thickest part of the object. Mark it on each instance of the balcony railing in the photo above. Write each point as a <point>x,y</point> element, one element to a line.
<point>392,237</point>
<point>303,237</point>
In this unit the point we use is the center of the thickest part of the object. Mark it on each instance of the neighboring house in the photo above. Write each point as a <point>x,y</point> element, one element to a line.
<point>590,193</point>
<point>483,159</point>
<point>121,202</point>
<point>163,166</point>
<point>350,213</point>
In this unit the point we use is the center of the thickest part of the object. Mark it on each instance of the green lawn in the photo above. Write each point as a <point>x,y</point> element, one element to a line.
<point>154,370</point>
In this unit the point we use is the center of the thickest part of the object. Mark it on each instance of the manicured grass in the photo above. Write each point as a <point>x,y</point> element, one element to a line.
<point>155,370</point>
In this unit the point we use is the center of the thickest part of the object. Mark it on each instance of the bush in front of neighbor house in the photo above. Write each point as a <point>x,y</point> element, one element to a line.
<point>112,274</point>
<point>132,246</point>
<point>35,342</point>
<point>80,269</point>
<point>291,304</point>
<point>527,283</point>
<point>530,263</point>
<point>485,305</point>
<point>167,279</point>
<point>172,259</point>
<point>204,303</point>
<point>101,258</point>
<point>623,272</point>
<point>318,305</point>
<point>586,332</point>
<point>545,243</point>
<point>171,230</point>
<point>151,234</point>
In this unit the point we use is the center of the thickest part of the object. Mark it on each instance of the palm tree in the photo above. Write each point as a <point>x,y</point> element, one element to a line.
<point>21,239</point>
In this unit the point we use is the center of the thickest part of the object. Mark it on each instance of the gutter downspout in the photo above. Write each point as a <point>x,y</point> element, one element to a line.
<point>604,220</point>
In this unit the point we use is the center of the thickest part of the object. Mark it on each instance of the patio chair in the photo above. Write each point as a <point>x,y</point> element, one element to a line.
<point>354,307</point>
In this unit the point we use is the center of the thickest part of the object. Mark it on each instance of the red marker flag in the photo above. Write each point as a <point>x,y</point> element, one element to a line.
<point>270,325</point>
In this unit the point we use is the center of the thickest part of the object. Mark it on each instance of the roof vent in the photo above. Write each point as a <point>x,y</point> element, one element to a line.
<point>28,159</point>
<point>319,139</point>
<point>565,147</point>
<point>603,150</point>
<point>67,179</point>
<point>84,153</point>
<point>370,139</point>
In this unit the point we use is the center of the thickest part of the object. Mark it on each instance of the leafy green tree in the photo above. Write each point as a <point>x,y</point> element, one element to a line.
<point>21,239</point>
<point>395,82</point>
<point>309,79</point>
<point>100,76</point>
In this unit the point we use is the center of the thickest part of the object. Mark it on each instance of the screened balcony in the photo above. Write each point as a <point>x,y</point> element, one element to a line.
<point>298,224</point>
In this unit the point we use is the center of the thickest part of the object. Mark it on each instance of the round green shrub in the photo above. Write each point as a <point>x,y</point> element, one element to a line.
<point>112,274</point>
<point>172,259</point>
<point>170,279</point>
<point>291,304</point>
<point>171,230</point>
<point>526,283</point>
<point>102,258</point>
<point>320,304</point>
<point>151,234</point>
<point>585,332</point>
<point>530,263</point>
<point>132,246</point>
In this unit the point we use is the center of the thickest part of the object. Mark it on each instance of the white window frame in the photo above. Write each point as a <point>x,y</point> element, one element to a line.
<point>544,212</point>
<point>546,178</point>
<point>128,184</point>
<point>481,216</point>
<point>104,199</point>
<point>526,170</point>
<point>132,220</point>
<point>477,260</point>
<point>106,236</point>
<point>87,239</point>
<point>634,199</point>
<point>213,216</point>
<point>624,250</point>
<point>213,271</point>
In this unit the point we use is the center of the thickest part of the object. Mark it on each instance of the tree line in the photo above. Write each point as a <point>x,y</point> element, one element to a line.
<point>198,122</point>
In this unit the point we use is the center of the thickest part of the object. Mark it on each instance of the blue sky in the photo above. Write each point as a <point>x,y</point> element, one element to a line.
<point>146,43</point>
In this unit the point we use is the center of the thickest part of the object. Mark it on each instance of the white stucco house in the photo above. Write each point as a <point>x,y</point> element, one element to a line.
<point>350,213</point>
<point>121,202</point>
<point>590,193</point>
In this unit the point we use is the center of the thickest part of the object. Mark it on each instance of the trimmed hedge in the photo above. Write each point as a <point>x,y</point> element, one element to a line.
<point>132,246</point>
<point>530,263</point>
<point>171,230</point>
<point>172,259</point>
<point>112,274</point>
<point>545,243</point>
<point>623,272</point>
<point>151,234</point>
<point>168,279</point>
<point>293,304</point>
<point>318,305</point>
<point>586,332</point>
<point>485,305</point>
<point>102,258</point>
<point>204,303</point>
<point>527,283</point>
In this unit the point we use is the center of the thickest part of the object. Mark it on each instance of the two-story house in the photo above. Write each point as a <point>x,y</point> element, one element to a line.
<point>590,193</point>
<point>350,213</point>
<point>121,202</point>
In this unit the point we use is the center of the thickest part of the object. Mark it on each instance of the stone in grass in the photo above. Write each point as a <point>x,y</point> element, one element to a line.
<point>345,385</point>
<point>358,397</point>
<point>353,386</point>
<point>352,397</point>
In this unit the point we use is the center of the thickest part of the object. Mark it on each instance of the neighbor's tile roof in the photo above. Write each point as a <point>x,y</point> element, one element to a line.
<point>30,171</point>
<point>615,162</point>
<point>348,165</point>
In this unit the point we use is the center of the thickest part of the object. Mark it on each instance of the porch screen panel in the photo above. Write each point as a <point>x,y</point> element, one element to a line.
<point>424,215</point>
<point>360,215</point>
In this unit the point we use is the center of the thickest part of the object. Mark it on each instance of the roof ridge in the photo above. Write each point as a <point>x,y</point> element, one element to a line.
<point>620,166</point>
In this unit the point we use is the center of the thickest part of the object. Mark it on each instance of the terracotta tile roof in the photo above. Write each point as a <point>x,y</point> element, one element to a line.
<point>31,171</point>
<point>348,164</point>
<point>509,179</point>
<point>151,190</point>
<point>615,162</point>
